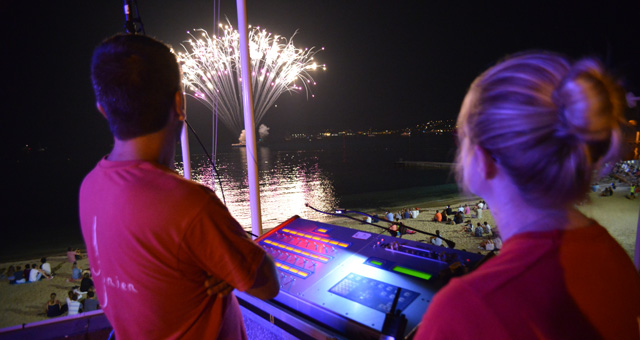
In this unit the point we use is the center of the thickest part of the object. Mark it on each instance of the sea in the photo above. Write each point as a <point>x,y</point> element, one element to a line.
<point>341,172</point>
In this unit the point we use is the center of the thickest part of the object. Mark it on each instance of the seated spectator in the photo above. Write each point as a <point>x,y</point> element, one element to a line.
<point>397,216</point>
<point>45,266</point>
<point>54,307</point>
<point>36,274</point>
<point>90,303</point>
<point>479,231</point>
<point>375,218</point>
<point>458,219</point>
<point>389,216</point>
<point>26,271</point>
<point>461,209</point>
<point>79,255</point>
<point>11,274</point>
<point>487,228</point>
<point>607,192</point>
<point>467,211</point>
<point>414,213</point>
<point>497,240</point>
<point>436,240</point>
<point>437,217</point>
<point>406,214</point>
<point>449,211</point>
<point>73,306</point>
<point>487,244</point>
<point>19,275</point>
<point>86,283</point>
<point>398,231</point>
<point>76,273</point>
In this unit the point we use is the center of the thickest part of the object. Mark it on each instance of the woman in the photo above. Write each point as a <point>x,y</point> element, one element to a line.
<point>54,307</point>
<point>532,131</point>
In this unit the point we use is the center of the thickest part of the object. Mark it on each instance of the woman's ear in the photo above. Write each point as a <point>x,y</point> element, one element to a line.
<point>486,163</point>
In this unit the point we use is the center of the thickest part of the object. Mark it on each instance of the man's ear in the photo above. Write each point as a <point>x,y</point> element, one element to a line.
<point>179,105</point>
<point>101,109</point>
<point>486,162</point>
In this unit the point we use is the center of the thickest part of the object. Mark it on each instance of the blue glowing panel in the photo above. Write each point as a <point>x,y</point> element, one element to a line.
<point>372,293</point>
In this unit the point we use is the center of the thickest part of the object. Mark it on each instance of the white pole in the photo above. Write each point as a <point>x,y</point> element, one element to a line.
<point>249,125</point>
<point>184,144</point>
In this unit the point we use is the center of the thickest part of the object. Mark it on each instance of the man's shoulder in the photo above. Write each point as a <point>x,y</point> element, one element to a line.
<point>146,176</point>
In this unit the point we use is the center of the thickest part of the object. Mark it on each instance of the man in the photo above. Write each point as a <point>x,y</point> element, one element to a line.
<point>90,303</point>
<point>154,238</point>
<point>487,228</point>
<point>436,240</point>
<point>389,216</point>
<point>437,217</point>
<point>73,305</point>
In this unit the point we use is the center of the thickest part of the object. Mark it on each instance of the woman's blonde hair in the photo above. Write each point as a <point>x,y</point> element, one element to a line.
<point>548,122</point>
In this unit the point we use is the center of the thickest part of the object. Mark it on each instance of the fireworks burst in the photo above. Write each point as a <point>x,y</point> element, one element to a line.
<point>212,70</point>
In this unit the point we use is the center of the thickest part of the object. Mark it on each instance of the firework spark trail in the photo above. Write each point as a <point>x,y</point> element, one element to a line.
<point>211,68</point>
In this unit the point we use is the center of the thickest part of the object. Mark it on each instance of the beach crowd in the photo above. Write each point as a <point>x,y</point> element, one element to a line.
<point>80,295</point>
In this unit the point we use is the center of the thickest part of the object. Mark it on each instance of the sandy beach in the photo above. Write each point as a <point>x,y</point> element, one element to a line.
<point>25,303</point>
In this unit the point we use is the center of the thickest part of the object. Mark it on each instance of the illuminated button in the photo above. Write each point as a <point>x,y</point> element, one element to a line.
<point>333,242</point>
<point>321,230</point>
<point>344,245</point>
<point>303,274</point>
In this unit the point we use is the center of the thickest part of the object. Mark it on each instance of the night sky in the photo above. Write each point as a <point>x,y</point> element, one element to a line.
<point>390,64</point>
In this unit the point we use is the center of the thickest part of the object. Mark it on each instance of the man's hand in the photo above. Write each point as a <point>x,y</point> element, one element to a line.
<point>217,287</point>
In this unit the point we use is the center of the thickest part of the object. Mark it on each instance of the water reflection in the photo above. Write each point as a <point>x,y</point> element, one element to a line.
<point>288,180</point>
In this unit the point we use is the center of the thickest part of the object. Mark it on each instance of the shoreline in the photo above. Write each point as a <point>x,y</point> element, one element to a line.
<point>25,303</point>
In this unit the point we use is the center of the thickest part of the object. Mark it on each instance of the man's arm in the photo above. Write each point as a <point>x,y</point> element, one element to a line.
<point>266,286</point>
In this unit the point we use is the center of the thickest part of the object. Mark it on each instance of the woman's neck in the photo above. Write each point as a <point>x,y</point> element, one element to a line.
<point>515,214</point>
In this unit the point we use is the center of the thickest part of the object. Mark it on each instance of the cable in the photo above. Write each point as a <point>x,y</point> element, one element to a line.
<point>213,166</point>
<point>340,213</point>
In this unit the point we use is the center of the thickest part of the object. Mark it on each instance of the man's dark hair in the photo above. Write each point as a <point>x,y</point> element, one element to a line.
<point>135,79</point>
<point>91,294</point>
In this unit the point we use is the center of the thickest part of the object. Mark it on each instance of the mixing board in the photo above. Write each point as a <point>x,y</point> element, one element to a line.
<point>347,279</point>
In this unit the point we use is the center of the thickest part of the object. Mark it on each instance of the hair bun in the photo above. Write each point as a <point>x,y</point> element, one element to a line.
<point>591,102</point>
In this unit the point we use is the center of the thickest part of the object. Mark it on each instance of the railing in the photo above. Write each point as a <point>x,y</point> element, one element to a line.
<point>89,325</point>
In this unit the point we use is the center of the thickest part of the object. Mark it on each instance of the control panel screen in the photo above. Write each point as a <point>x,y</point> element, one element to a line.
<point>372,293</point>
